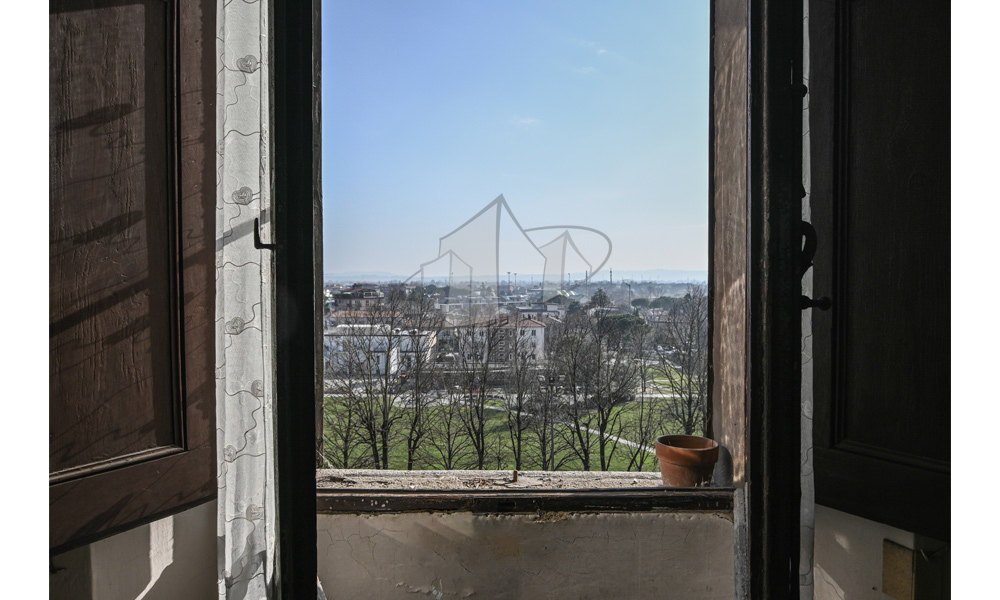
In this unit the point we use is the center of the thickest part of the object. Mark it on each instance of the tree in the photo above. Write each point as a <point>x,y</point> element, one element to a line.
<point>342,438</point>
<point>520,383</point>
<point>570,357</point>
<point>365,359</point>
<point>600,299</point>
<point>624,325</point>
<point>644,422</point>
<point>682,358</point>
<point>616,341</point>
<point>365,356</point>
<point>641,303</point>
<point>476,344</point>
<point>422,372</point>
<point>595,354</point>
<point>663,302</point>
<point>448,440</point>
<point>547,413</point>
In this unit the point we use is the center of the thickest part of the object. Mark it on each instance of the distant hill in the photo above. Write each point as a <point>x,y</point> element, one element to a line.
<point>364,276</point>
<point>655,275</point>
<point>659,275</point>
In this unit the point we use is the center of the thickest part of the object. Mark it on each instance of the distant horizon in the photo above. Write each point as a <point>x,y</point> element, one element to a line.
<point>631,276</point>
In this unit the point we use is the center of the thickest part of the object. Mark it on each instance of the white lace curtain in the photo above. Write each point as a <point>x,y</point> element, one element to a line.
<point>244,357</point>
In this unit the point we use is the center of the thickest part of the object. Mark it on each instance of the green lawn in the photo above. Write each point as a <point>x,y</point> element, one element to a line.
<point>499,453</point>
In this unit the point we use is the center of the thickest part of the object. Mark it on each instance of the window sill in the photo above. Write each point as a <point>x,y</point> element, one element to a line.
<point>371,491</point>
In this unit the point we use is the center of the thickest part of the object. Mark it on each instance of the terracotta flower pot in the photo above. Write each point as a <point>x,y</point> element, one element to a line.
<point>686,460</point>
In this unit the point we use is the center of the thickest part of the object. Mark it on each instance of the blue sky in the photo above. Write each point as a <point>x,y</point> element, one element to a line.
<point>581,113</point>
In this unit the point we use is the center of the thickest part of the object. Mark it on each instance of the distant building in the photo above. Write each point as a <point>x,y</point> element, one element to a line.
<point>357,350</point>
<point>497,339</point>
<point>465,303</point>
<point>358,296</point>
<point>416,346</point>
<point>360,350</point>
<point>372,315</point>
<point>538,311</point>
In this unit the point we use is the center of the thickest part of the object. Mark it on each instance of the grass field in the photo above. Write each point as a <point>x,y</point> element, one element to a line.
<point>499,453</point>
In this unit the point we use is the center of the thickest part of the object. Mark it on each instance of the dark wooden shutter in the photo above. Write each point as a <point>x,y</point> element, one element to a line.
<point>880,123</point>
<point>131,263</point>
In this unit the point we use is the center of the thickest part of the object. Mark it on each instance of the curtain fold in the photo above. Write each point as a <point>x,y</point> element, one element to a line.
<point>244,352</point>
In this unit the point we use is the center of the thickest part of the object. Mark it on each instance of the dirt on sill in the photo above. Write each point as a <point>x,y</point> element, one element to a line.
<point>482,480</point>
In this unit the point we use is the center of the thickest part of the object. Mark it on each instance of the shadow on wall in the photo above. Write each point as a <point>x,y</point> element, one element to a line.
<point>848,558</point>
<point>171,558</point>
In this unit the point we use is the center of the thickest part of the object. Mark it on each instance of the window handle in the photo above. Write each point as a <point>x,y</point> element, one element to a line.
<point>822,303</point>
<point>806,261</point>
<point>256,237</point>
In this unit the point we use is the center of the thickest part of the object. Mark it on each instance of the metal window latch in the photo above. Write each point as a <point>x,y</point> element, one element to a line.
<point>256,237</point>
<point>806,261</point>
<point>822,303</point>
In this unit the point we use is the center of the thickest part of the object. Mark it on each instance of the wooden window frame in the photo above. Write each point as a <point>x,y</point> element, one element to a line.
<point>755,212</point>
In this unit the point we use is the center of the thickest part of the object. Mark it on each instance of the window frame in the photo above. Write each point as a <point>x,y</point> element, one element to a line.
<point>759,422</point>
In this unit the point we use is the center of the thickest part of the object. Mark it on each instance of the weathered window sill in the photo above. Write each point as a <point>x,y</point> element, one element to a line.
<point>496,492</point>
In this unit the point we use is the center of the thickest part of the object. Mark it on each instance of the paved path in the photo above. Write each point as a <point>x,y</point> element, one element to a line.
<point>612,437</point>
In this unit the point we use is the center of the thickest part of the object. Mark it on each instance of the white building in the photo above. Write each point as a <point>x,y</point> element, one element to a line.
<point>498,339</point>
<point>537,311</point>
<point>415,347</point>
<point>358,350</point>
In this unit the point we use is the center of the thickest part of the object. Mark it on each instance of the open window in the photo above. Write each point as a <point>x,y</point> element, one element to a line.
<point>538,170</point>
<point>755,133</point>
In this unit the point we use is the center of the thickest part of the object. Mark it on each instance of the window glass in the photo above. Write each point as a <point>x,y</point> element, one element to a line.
<point>488,163</point>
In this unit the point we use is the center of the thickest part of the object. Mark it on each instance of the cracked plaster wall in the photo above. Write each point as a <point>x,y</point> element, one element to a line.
<point>609,555</point>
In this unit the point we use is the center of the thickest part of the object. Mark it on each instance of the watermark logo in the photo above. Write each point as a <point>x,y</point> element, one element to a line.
<point>492,249</point>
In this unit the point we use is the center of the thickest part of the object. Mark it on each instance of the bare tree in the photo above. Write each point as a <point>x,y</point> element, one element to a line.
<point>683,360</point>
<point>448,446</point>
<point>365,359</point>
<point>342,438</point>
<point>596,356</point>
<point>571,356</point>
<point>547,413</point>
<point>476,344</point>
<point>615,376</point>
<point>644,423</point>
<point>518,354</point>
<point>496,453</point>
<point>420,371</point>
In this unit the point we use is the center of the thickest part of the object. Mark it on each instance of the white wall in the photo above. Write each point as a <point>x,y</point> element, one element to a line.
<point>610,555</point>
<point>173,558</point>
<point>848,555</point>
